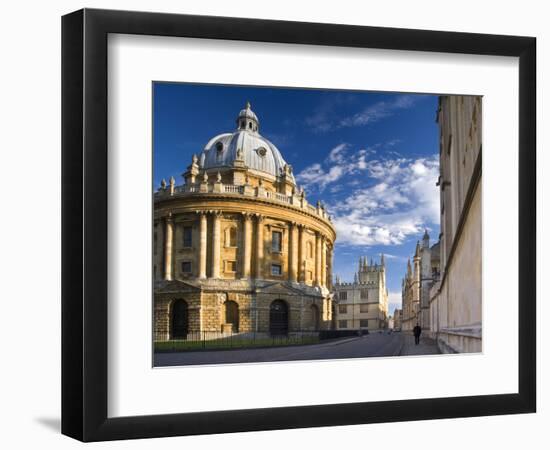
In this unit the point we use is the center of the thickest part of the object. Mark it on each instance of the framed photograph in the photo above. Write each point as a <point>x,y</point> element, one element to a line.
<point>273,225</point>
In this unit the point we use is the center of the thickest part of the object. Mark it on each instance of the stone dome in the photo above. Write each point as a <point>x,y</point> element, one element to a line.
<point>257,152</point>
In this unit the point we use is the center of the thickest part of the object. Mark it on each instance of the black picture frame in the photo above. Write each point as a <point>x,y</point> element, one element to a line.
<point>84,224</point>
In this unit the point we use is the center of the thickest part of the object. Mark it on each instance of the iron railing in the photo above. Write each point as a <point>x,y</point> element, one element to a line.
<point>218,340</point>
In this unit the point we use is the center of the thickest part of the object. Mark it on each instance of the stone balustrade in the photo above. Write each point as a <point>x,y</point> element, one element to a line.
<point>244,190</point>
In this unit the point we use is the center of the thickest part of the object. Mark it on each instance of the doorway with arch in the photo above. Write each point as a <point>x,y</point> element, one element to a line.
<point>179,319</point>
<point>278,318</point>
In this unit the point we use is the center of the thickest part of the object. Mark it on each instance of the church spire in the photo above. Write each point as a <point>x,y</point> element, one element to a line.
<point>417,250</point>
<point>426,239</point>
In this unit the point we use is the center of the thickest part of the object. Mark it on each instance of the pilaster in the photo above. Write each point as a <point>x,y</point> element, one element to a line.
<point>247,241</point>
<point>317,259</point>
<point>216,244</point>
<point>259,245</point>
<point>293,253</point>
<point>168,246</point>
<point>203,227</point>
<point>301,254</point>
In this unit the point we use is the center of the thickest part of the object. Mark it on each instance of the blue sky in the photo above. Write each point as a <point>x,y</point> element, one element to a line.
<point>371,157</point>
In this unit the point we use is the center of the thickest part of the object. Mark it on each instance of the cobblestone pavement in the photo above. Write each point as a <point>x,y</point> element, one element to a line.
<point>426,346</point>
<point>372,345</point>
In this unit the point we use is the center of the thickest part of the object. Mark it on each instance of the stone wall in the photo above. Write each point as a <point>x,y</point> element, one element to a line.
<point>457,304</point>
<point>207,312</point>
<point>163,310</point>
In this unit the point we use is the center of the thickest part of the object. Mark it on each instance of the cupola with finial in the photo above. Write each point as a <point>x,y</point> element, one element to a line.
<point>247,120</point>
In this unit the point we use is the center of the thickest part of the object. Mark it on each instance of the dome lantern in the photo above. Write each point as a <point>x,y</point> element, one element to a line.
<point>247,120</point>
<point>246,148</point>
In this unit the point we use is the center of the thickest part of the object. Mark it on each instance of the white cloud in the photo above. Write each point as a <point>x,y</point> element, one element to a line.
<point>324,118</point>
<point>389,199</point>
<point>337,153</point>
<point>394,301</point>
<point>315,175</point>
<point>339,162</point>
<point>403,200</point>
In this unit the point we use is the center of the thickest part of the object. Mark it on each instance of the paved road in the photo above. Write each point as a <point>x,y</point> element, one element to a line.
<point>426,346</point>
<point>374,344</point>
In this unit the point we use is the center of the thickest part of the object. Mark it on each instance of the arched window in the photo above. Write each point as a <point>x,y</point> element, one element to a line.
<point>179,319</point>
<point>231,237</point>
<point>309,249</point>
<point>232,314</point>
<point>250,125</point>
<point>278,318</point>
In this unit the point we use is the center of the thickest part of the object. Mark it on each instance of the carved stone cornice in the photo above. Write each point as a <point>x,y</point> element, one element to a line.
<point>215,213</point>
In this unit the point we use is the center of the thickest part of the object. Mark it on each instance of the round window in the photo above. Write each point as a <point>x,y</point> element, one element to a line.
<point>262,151</point>
<point>219,146</point>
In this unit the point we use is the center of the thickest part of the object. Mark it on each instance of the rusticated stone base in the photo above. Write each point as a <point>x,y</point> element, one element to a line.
<point>209,301</point>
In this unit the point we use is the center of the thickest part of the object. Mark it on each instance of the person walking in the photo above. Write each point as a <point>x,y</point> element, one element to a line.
<point>417,331</point>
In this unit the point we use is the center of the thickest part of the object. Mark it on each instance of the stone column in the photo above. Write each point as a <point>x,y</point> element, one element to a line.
<point>329,268</point>
<point>293,253</point>
<point>203,223</point>
<point>323,261</point>
<point>317,259</point>
<point>247,243</point>
<point>216,244</point>
<point>259,246</point>
<point>301,254</point>
<point>168,245</point>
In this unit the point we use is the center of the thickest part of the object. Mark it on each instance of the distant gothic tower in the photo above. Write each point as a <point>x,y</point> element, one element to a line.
<point>363,304</point>
<point>237,247</point>
<point>417,284</point>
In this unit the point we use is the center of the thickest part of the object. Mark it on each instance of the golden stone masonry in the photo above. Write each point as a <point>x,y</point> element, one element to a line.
<point>237,248</point>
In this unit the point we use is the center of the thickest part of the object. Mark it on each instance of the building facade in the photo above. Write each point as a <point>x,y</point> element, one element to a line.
<point>237,247</point>
<point>418,281</point>
<point>397,319</point>
<point>455,300</point>
<point>363,304</point>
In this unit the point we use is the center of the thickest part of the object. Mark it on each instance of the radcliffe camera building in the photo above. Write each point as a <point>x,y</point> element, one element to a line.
<point>363,304</point>
<point>237,247</point>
